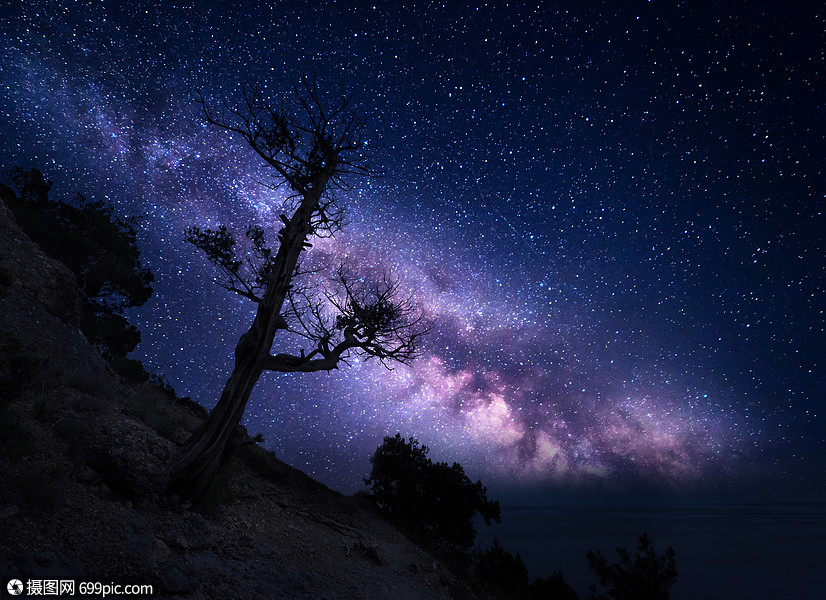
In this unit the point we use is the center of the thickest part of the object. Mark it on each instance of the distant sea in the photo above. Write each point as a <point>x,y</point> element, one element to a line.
<point>723,551</point>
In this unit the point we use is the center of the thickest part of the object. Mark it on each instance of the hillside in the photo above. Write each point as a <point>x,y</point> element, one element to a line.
<point>84,458</point>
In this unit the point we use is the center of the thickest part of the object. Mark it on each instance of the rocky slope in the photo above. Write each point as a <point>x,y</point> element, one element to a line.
<point>84,461</point>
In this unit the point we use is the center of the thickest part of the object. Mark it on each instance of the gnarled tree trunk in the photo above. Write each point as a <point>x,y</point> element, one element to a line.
<point>203,453</point>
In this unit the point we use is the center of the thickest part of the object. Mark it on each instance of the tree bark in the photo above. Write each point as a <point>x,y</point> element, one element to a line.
<point>204,452</point>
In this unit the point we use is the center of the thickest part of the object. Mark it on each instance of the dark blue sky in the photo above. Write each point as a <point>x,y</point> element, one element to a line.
<point>614,216</point>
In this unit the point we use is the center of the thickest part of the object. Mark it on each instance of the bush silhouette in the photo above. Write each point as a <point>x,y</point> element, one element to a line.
<point>434,500</point>
<point>551,588</point>
<point>645,576</point>
<point>502,573</point>
<point>506,577</point>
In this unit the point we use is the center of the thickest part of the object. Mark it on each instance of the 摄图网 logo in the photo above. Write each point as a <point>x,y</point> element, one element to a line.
<point>15,587</point>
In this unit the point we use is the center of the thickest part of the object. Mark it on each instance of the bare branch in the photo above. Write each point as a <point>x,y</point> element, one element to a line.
<point>301,142</point>
<point>368,319</point>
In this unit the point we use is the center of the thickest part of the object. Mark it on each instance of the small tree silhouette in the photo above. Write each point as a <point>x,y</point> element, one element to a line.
<point>645,576</point>
<point>434,500</point>
<point>551,588</point>
<point>505,574</point>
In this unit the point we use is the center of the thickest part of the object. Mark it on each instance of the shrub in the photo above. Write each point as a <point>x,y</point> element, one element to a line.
<point>645,576</point>
<point>506,577</point>
<point>434,500</point>
<point>501,572</point>
<point>551,588</point>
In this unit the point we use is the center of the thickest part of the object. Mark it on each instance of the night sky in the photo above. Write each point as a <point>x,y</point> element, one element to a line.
<point>614,216</point>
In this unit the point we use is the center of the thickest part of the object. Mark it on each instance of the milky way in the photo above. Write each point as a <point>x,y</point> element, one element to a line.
<point>614,220</point>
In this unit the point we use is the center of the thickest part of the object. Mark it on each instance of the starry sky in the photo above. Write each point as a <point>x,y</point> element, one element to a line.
<point>612,212</point>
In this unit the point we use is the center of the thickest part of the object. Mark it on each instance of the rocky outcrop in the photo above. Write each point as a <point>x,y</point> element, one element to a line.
<point>45,281</point>
<point>133,460</point>
<point>42,304</point>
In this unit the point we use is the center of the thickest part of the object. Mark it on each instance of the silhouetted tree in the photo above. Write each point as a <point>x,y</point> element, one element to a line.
<point>434,499</point>
<point>644,576</point>
<point>100,249</point>
<point>313,151</point>
<point>551,588</point>
<point>506,577</point>
<point>501,572</point>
